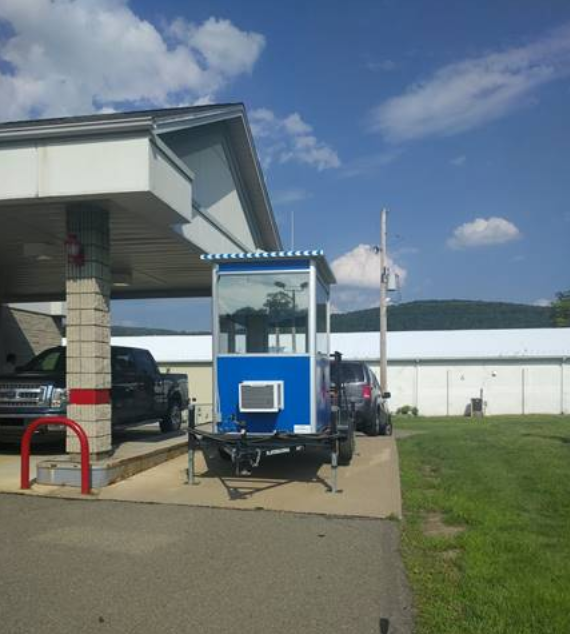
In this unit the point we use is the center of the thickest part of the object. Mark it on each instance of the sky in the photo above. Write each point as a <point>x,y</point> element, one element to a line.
<point>452,115</point>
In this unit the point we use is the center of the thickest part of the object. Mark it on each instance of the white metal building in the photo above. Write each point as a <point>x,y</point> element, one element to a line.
<point>519,371</point>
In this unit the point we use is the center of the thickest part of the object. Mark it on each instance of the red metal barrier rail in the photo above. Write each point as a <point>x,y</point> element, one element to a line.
<point>54,420</point>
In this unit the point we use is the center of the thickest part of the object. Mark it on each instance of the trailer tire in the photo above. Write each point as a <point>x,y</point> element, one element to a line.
<point>347,445</point>
<point>172,420</point>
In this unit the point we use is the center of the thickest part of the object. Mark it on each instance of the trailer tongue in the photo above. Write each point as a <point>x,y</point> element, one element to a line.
<point>271,361</point>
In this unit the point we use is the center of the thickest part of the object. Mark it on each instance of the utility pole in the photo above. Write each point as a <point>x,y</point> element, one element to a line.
<point>383,302</point>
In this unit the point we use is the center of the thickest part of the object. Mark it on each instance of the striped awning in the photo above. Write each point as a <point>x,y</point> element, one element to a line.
<point>310,254</point>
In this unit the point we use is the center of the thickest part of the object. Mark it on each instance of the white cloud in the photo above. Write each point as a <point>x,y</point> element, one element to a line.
<point>542,302</point>
<point>483,232</point>
<point>225,49</point>
<point>361,267</point>
<point>290,196</point>
<point>290,139</point>
<point>75,56</point>
<point>295,125</point>
<point>466,94</point>
<point>458,161</point>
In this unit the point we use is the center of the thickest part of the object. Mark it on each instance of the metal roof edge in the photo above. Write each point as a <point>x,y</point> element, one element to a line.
<point>111,122</point>
<point>164,124</point>
<point>78,128</point>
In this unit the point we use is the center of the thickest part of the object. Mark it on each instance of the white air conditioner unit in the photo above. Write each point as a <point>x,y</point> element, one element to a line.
<point>261,396</point>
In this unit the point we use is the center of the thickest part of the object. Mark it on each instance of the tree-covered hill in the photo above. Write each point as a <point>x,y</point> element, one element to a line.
<point>421,315</point>
<point>446,315</point>
<point>142,331</point>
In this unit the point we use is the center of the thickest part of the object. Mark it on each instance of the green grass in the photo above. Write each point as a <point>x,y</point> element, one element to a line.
<point>506,481</point>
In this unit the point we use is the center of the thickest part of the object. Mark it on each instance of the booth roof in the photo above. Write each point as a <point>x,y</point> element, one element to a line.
<point>311,254</point>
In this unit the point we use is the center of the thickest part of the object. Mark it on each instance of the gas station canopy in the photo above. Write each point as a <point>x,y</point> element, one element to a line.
<point>176,183</point>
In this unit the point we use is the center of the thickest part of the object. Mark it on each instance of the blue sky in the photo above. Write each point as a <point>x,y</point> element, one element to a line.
<point>454,115</point>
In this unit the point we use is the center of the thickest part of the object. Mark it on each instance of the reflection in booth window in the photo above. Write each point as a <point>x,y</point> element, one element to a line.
<point>263,313</point>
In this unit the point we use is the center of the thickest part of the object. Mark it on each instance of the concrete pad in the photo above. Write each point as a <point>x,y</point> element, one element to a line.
<point>128,459</point>
<point>369,487</point>
<point>135,449</point>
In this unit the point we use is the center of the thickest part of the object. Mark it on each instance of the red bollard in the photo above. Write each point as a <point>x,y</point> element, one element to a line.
<point>25,449</point>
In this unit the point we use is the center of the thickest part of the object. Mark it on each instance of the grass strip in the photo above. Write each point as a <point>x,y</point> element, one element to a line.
<point>486,524</point>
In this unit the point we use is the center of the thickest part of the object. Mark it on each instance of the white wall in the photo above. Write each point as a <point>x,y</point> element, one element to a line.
<point>523,371</point>
<point>440,388</point>
<point>199,386</point>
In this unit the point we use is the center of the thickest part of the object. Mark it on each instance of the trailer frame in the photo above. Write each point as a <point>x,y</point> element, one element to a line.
<point>246,450</point>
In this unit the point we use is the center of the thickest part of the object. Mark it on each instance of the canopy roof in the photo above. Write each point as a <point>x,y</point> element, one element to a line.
<point>125,163</point>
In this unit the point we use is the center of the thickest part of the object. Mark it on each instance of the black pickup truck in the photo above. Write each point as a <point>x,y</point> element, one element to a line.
<point>139,392</point>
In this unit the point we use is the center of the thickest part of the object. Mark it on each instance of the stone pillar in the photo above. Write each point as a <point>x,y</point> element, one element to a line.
<point>88,282</point>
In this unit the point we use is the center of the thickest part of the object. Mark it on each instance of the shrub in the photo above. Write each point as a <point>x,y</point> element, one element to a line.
<point>408,410</point>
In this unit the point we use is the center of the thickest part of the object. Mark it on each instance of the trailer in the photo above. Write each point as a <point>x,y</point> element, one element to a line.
<point>272,392</point>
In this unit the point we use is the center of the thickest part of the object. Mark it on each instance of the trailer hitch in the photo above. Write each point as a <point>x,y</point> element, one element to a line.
<point>244,458</point>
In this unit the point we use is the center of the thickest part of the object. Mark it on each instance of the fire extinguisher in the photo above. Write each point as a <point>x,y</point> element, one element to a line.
<point>74,249</point>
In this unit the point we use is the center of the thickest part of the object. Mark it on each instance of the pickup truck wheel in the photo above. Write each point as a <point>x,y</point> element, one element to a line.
<point>173,418</point>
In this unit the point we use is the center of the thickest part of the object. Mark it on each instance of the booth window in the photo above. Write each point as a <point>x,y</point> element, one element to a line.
<point>263,313</point>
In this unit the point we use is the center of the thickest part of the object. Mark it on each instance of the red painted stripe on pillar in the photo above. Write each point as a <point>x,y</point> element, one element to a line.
<point>79,396</point>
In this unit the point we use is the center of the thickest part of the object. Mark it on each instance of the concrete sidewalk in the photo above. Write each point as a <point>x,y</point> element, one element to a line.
<point>369,487</point>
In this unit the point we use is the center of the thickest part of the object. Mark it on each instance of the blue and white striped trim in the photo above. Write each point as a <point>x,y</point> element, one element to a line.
<point>262,255</point>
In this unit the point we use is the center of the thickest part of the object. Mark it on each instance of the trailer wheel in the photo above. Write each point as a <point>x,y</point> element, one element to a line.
<point>347,445</point>
<point>173,418</point>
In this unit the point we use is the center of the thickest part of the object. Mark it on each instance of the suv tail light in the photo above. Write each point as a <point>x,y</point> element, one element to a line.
<point>367,392</point>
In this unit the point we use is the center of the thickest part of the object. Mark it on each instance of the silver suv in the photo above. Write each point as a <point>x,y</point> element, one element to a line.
<point>362,388</point>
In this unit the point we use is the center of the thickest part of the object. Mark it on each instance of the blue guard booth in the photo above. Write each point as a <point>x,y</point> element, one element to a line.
<point>271,356</point>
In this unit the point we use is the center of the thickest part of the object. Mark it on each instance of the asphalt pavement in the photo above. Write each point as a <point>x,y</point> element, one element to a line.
<point>74,566</point>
